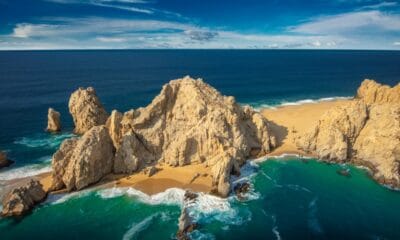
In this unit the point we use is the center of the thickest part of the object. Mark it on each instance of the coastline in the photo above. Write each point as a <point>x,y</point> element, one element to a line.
<point>285,121</point>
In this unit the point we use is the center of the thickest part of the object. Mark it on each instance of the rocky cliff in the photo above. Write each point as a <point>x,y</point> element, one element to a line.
<point>86,110</point>
<point>81,162</point>
<point>365,131</point>
<point>189,122</point>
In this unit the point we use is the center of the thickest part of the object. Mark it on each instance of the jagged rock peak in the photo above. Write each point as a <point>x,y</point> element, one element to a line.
<point>373,92</point>
<point>86,110</point>
<point>53,121</point>
<point>190,122</point>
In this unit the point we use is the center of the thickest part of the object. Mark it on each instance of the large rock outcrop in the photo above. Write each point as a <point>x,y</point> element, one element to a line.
<point>53,121</point>
<point>81,162</point>
<point>22,199</point>
<point>365,131</point>
<point>190,122</point>
<point>86,110</point>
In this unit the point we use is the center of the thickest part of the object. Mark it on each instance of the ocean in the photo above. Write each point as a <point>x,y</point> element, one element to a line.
<point>291,198</point>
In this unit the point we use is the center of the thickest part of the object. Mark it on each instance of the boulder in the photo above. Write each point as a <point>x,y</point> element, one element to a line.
<point>22,199</point>
<point>86,110</point>
<point>53,121</point>
<point>4,161</point>
<point>80,163</point>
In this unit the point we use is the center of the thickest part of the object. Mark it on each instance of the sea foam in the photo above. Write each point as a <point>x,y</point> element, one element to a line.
<point>43,140</point>
<point>22,172</point>
<point>261,105</point>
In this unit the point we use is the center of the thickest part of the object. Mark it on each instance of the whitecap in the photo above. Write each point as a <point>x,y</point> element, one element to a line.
<point>268,105</point>
<point>136,228</point>
<point>23,172</point>
<point>64,197</point>
<point>44,140</point>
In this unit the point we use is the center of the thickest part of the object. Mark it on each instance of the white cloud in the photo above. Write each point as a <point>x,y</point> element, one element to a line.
<point>380,5</point>
<point>110,4</point>
<point>373,21</point>
<point>111,39</point>
<point>396,43</point>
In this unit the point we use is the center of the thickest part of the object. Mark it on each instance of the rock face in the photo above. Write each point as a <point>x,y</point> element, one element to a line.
<point>79,163</point>
<point>372,92</point>
<point>22,199</point>
<point>365,131</point>
<point>190,122</point>
<point>86,110</point>
<point>4,161</point>
<point>334,135</point>
<point>53,121</point>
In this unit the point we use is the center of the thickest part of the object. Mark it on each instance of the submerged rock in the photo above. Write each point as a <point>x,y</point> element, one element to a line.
<point>79,163</point>
<point>53,121</point>
<point>86,110</point>
<point>365,131</point>
<point>4,161</point>
<point>22,199</point>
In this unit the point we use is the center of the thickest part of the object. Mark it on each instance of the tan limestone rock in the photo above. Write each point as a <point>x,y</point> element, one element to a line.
<point>86,110</point>
<point>53,121</point>
<point>114,127</point>
<point>22,199</point>
<point>80,163</point>
<point>373,92</point>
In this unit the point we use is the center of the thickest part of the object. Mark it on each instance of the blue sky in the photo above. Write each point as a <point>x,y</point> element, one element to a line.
<point>250,24</point>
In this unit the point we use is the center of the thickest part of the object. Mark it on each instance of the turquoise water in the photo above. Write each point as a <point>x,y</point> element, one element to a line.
<point>291,199</point>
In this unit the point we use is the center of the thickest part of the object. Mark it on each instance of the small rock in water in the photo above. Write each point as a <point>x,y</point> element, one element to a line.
<point>53,121</point>
<point>186,225</point>
<point>4,162</point>
<point>344,172</point>
<point>190,196</point>
<point>241,188</point>
<point>22,199</point>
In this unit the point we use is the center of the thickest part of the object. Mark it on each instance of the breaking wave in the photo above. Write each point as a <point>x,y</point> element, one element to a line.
<point>260,105</point>
<point>22,172</point>
<point>43,140</point>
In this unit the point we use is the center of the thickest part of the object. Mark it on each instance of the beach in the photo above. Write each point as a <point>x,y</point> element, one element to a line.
<point>288,121</point>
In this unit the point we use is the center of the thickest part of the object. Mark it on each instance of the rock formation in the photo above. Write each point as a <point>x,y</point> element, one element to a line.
<point>186,224</point>
<point>22,199</point>
<point>4,161</point>
<point>53,121</point>
<point>86,110</point>
<point>190,122</point>
<point>81,162</point>
<point>365,131</point>
<point>372,92</point>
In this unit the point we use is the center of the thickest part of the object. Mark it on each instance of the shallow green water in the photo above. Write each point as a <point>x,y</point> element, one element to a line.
<point>292,199</point>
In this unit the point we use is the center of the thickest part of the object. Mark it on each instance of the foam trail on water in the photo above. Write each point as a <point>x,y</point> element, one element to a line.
<point>138,227</point>
<point>275,229</point>
<point>262,105</point>
<point>22,172</point>
<point>44,140</point>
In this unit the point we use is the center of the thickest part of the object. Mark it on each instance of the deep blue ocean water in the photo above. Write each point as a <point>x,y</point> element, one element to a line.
<point>291,199</point>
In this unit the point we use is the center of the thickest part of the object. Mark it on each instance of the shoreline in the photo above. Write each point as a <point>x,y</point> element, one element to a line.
<point>285,122</point>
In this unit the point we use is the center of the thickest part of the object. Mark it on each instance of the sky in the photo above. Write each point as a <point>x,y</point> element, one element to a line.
<point>199,24</point>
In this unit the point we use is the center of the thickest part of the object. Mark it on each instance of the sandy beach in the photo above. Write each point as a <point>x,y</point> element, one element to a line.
<point>287,121</point>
